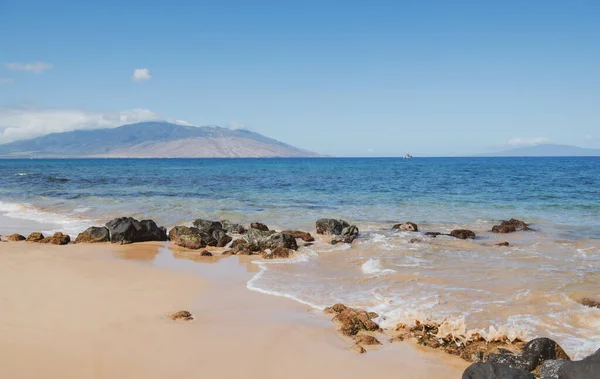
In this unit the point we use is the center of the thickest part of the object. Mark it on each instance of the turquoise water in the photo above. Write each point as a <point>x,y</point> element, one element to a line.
<point>295,192</point>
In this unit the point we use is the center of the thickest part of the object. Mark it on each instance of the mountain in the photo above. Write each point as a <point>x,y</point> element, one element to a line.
<point>153,140</point>
<point>547,150</point>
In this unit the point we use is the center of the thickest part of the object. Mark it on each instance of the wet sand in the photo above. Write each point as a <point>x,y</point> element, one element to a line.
<point>98,311</point>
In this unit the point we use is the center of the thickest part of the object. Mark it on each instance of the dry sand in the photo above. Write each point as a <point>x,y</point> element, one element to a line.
<point>82,311</point>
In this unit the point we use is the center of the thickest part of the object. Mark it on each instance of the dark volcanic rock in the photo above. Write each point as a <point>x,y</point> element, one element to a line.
<point>231,227</point>
<point>549,369</point>
<point>93,234</point>
<point>348,235</point>
<point>533,354</point>
<point>510,226</point>
<point>502,244</point>
<point>494,371</point>
<point>211,232</point>
<point>16,237</point>
<point>57,239</point>
<point>259,226</point>
<point>462,234</point>
<point>190,241</point>
<point>586,368</point>
<point>207,225</point>
<point>128,230</point>
<point>406,227</point>
<point>35,237</point>
<point>261,240</point>
<point>433,234</point>
<point>365,339</point>
<point>331,226</point>
<point>304,236</point>
<point>206,253</point>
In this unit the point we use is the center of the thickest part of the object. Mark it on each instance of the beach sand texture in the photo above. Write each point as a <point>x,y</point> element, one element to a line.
<point>87,311</point>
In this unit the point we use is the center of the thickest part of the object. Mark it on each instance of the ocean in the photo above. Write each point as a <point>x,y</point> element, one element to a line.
<point>528,288</point>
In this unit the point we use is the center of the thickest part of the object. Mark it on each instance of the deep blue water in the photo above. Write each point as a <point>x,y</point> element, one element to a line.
<point>564,191</point>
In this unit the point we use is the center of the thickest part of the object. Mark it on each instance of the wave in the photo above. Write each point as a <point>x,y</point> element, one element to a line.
<point>373,266</point>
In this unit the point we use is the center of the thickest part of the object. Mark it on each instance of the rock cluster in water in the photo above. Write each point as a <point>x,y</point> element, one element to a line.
<point>340,230</point>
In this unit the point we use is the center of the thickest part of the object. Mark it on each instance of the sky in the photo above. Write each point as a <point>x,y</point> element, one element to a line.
<point>343,78</point>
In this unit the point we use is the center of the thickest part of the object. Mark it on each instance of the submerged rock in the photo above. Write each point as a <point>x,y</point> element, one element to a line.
<point>406,227</point>
<point>278,253</point>
<point>502,244</point>
<point>494,371</point>
<point>94,234</point>
<point>16,237</point>
<point>304,236</point>
<point>181,315</point>
<point>463,234</point>
<point>127,230</point>
<point>348,235</point>
<point>259,226</point>
<point>510,226</point>
<point>588,302</point>
<point>365,339</point>
<point>57,239</point>
<point>350,321</point>
<point>206,253</point>
<point>331,226</point>
<point>433,234</point>
<point>35,237</point>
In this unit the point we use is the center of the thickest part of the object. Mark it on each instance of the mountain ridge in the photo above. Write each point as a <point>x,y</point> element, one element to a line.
<point>546,150</point>
<point>153,140</point>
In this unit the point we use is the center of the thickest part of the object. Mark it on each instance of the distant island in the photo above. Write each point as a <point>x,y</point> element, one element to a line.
<point>546,150</point>
<point>153,140</point>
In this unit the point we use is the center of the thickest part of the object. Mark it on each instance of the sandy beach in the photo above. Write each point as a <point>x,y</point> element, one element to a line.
<point>99,311</point>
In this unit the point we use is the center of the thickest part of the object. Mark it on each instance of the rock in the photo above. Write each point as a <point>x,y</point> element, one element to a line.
<point>350,321</point>
<point>234,228</point>
<point>35,237</point>
<point>510,226</point>
<point>278,253</point>
<point>94,234</point>
<point>585,301</point>
<point>359,349</point>
<point>365,339</point>
<point>257,240</point>
<point>191,241</point>
<point>462,234</point>
<point>207,225</point>
<point>57,239</point>
<point>414,240</point>
<point>502,244</point>
<point>406,227</point>
<point>533,354</point>
<point>433,234</point>
<point>331,226</point>
<point>206,253</point>
<point>494,371</point>
<point>549,369</point>
<point>181,315</point>
<point>126,230</point>
<point>304,236</point>
<point>212,232</point>
<point>228,252</point>
<point>259,226</point>
<point>586,368</point>
<point>348,235</point>
<point>16,237</point>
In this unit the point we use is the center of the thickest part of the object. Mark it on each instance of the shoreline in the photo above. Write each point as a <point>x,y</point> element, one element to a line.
<point>99,311</point>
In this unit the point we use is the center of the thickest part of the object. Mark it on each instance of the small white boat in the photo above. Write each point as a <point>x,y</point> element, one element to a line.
<point>408,156</point>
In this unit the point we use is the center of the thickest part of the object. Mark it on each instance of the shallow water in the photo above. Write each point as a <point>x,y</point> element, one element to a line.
<point>530,286</point>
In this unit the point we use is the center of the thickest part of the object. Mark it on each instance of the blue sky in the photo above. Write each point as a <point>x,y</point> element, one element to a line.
<point>345,78</point>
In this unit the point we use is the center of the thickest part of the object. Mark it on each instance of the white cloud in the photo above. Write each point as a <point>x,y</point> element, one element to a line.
<point>5,81</point>
<point>23,123</point>
<point>518,141</point>
<point>36,67</point>
<point>141,74</point>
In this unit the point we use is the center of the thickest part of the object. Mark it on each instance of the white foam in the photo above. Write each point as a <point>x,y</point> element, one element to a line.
<point>373,267</point>
<point>52,221</point>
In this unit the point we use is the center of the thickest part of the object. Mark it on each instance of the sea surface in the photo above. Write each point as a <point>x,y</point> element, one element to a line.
<point>528,288</point>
